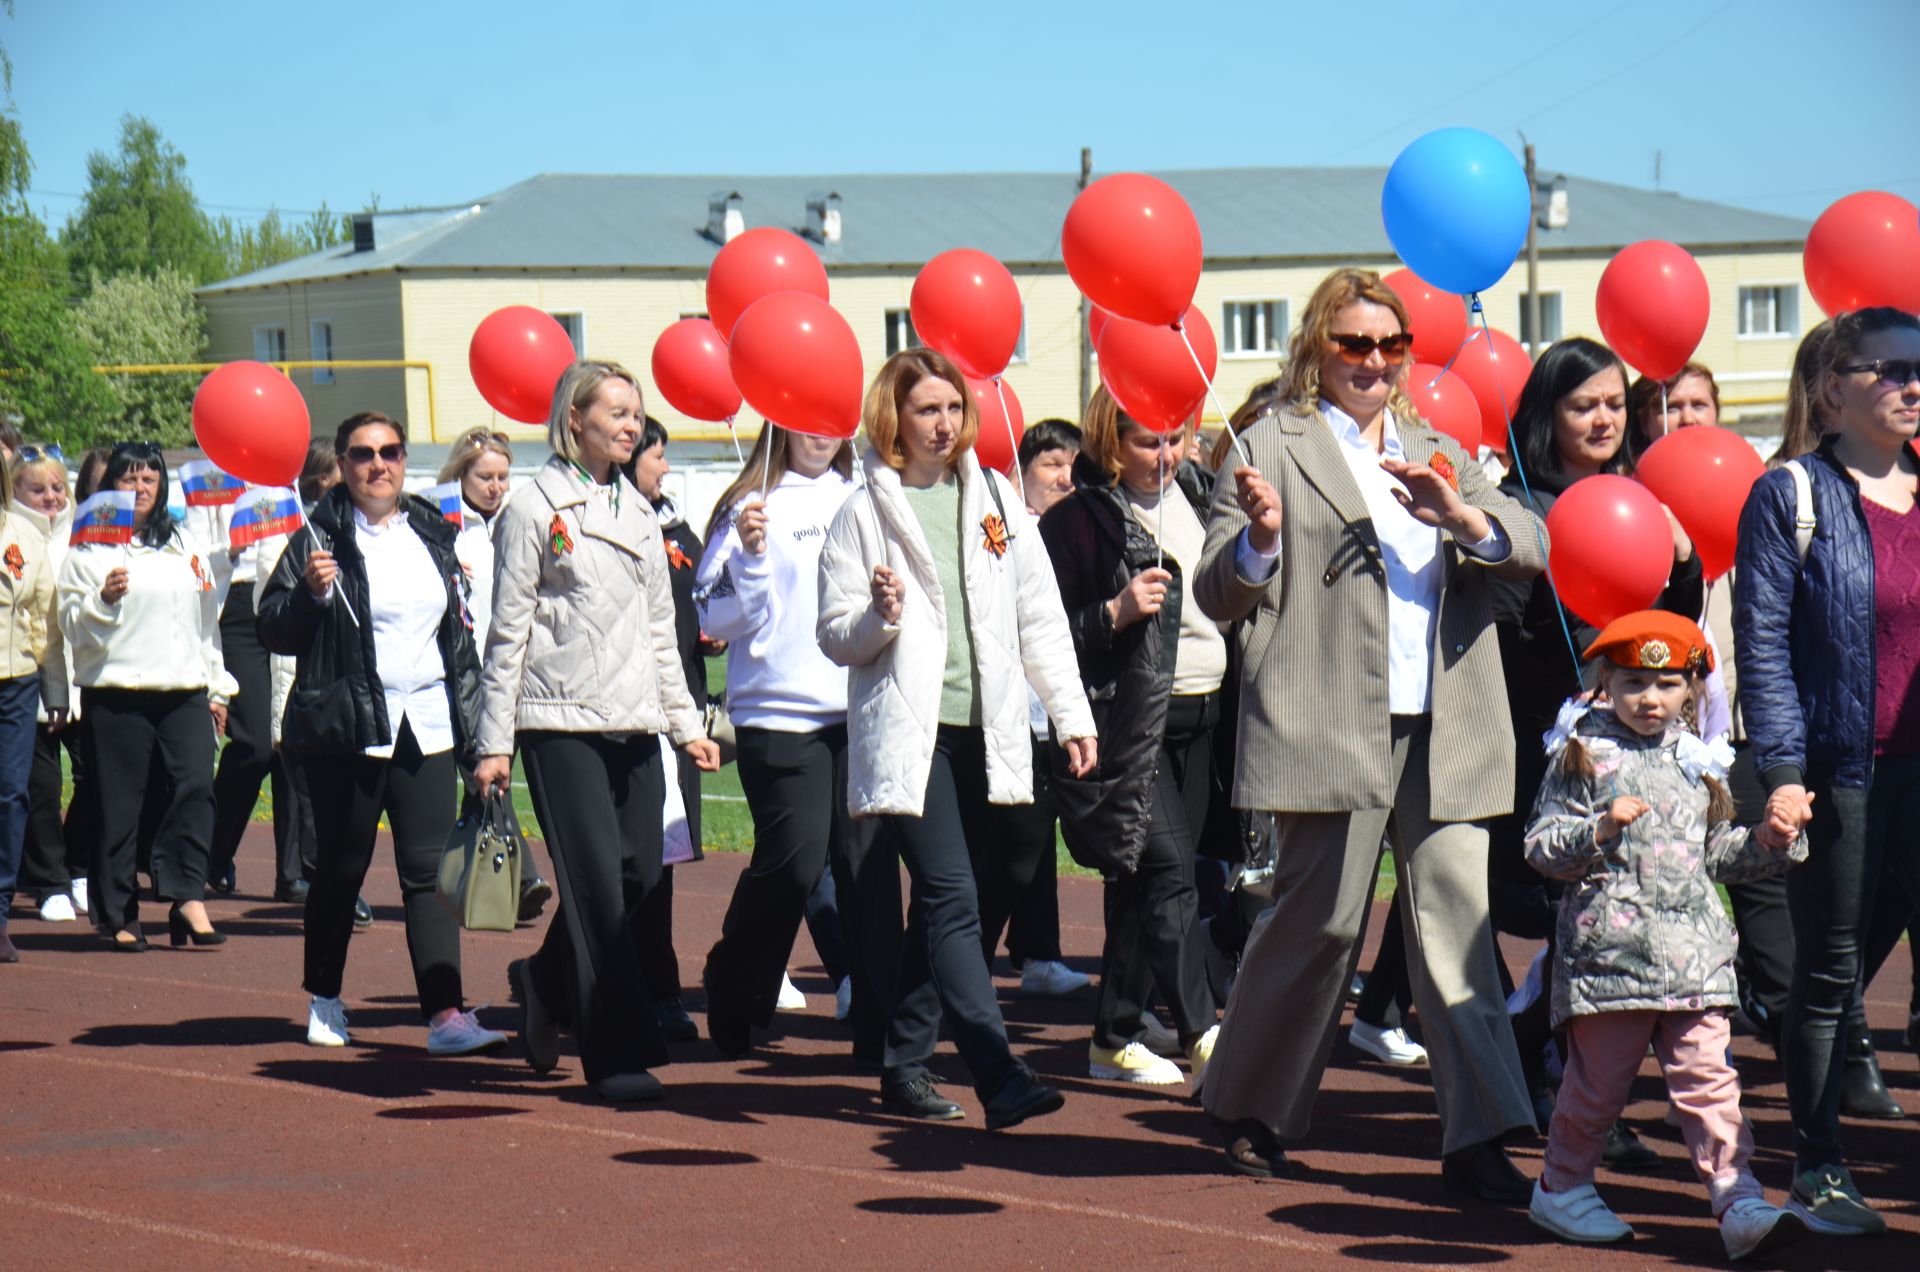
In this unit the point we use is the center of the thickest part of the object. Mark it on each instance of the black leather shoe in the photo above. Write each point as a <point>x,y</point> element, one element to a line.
<point>294,893</point>
<point>918,1100</point>
<point>1252,1149</point>
<point>731,1035</point>
<point>1863,1093</point>
<point>534,895</point>
<point>1624,1151</point>
<point>362,914</point>
<point>224,882</point>
<point>674,1023</point>
<point>1024,1096</point>
<point>1484,1171</point>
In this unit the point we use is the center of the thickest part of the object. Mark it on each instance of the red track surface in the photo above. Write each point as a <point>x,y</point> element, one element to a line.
<point>165,1109</point>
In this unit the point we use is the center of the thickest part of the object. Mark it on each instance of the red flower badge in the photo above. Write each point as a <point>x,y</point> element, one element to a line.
<point>676,558</point>
<point>558,536</point>
<point>16,562</point>
<point>997,537</point>
<point>200,573</point>
<point>1444,466</point>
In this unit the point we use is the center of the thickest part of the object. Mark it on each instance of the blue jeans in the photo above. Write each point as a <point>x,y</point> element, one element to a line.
<point>19,709</point>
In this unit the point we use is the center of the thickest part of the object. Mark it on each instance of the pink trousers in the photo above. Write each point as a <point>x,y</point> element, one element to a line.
<point>1604,1054</point>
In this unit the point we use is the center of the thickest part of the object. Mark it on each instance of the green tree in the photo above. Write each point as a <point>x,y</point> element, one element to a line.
<point>140,215</point>
<point>270,240</point>
<point>47,386</point>
<point>137,320</point>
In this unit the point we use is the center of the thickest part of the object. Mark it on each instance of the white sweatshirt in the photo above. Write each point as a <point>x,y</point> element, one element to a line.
<point>163,634</point>
<point>765,606</point>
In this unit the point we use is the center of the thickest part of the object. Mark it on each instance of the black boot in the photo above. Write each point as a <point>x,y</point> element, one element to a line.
<point>1862,1092</point>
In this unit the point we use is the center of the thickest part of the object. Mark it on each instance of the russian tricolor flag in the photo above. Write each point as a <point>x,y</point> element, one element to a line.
<point>105,518</point>
<point>207,487</point>
<point>266,511</point>
<point>445,497</point>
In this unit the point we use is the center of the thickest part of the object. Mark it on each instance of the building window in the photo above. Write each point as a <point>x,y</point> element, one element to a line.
<point>269,344</point>
<point>1253,328</point>
<point>1020,347</point>
<point>576,328</point>
<point>1550,329</point>
<point>321,331</point>
<point>1770,311</point>
<point>693,313</point>
<point>900,332</point>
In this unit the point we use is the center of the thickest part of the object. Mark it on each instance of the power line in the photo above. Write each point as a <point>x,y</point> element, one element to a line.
<point>1658,50</point>
<point>219,207</point>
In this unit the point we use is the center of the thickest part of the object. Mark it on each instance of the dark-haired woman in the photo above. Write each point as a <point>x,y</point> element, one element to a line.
<point>1828,629</point>
<point>142,631</point>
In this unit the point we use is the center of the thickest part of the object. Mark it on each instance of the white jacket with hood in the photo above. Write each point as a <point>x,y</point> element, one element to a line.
<point>1018,627</point>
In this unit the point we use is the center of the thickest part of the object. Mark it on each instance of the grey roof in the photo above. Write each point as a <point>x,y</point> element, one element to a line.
<point>563,221</point>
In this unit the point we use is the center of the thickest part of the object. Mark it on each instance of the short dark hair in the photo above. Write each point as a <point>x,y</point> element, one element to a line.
<point>322,460</point>
<point>1564,367</point>
<point>653,433</point>
<point>1048,435</point>
<point>364,419</point>
<point>1851,329</point>
<point>126,459</point>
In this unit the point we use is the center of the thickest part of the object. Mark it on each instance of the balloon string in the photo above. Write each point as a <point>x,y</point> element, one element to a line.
<point>1540,519</point>
<point>734,434</point>
<point>1227,420</point>
<point>1013,443</point>
<point>766,461</point>
<point>1160,510</point>
<point>1665,427</point>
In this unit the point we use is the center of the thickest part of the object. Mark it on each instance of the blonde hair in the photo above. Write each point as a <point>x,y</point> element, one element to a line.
<point>42,463</point>
<point>469,447</point>
<point>1100,431</point>
<point>1299,387</point>
<point>897,377</point>
<point>575,392</point>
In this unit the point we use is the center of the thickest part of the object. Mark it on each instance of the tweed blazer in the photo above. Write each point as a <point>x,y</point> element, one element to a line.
<point>1315,732</point>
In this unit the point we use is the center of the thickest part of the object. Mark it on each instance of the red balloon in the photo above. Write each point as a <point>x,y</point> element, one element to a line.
<point>998,442</point>
<point>1496,377</point>
<point>1864,251</point>
<point>1703,474</point>
<point>517,357</point>
<point>1437,319</point>
<point>1652,305</point>
<point>966,305</point>
<point>758,263</point>
<point>1132,246</point>
<point>690,368</point>
<point>253,423</point>
<point>797,363</point>
<point>1150,373</point>
<point>1444,401</point>
<point>1611,547</point>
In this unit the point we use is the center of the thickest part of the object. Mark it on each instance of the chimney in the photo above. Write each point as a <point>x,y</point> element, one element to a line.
<point>724,219</point>
<point>363,232</point>
<point>823,218</point>
<point>1553,204</point>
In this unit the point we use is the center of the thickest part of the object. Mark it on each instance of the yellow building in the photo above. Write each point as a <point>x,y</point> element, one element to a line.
<point>618,258</point>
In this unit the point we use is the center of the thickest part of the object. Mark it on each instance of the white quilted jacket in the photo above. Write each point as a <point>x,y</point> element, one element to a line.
<point>894,669</point>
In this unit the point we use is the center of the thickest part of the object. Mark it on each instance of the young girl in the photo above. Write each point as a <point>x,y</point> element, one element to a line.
<point>1633,806</point>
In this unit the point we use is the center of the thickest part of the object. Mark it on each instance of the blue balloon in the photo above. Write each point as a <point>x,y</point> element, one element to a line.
<point>1456,206</point>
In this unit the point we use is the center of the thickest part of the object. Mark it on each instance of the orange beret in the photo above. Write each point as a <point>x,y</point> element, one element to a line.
<point>1653,640</point>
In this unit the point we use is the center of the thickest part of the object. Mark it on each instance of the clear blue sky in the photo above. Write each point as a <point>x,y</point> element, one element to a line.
<point>1782,105</point>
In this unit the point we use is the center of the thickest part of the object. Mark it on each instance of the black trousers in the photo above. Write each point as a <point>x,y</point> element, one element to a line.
<point>599,801</point>
<point>865,865</point>
<point>247,758</point>
<point>295,837</point>
<point>1854,837</point>
<point>58,845</point>
<point>1016,873</point>
<point>416,792</point>
<point>942,970</point>
<point>653,925</point>
<point>127,731</point>
<point>1153,934</point>
<point>1388,995</point>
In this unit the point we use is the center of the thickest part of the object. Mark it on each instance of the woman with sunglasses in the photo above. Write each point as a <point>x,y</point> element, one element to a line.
<point>583,675</point>
<point>370,601</point>
<point>143,631</point>
<point>1827,623</point>
<point>1361,546</point>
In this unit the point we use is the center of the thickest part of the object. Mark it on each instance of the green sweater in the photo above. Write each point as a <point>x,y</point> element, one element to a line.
<point>937,508</point>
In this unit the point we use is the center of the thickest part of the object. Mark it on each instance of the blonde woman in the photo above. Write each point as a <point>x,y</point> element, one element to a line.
<point>582,676</point>
<point>32,672</point>
<point>937,595</point>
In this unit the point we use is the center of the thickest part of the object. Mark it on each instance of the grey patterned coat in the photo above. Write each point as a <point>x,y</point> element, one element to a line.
<point>1641,927</point>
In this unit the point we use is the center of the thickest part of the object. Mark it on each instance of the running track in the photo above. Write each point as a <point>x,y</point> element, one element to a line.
<point>164,1109</point>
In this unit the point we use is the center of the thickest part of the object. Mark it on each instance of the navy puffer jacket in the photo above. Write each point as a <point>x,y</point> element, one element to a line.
<point>1804,631</point>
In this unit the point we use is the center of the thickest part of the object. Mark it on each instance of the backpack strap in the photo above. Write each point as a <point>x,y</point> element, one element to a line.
<point>1804,520</point>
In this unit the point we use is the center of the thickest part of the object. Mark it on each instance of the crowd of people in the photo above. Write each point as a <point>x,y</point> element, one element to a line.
<point>1231,684</point>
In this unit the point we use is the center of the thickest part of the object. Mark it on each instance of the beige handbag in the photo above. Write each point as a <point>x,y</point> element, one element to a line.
<point>480,869</point>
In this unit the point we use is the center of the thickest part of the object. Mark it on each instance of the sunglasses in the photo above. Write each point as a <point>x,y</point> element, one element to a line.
<point>392,453</point>
<point>1357,349</point>
<point>1889,373</point>
<point>31,454</point>
<point>138,450</point>
<point>482,439</point>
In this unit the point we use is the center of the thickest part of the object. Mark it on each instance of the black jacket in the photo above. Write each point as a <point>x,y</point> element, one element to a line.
<point>683,549</point>
<point>337,705</point>
<point>1097,546</point>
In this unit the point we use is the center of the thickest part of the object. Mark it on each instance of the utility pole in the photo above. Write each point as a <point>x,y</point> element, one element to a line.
<point>1086,342</point>
<point>1533,255</point>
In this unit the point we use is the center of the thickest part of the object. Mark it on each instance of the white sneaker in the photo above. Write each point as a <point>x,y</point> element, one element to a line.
<point>1199,1056</point>
<point>79,890</point>
<point>843,998</point>
<point>461,1035</point>
<point>327,1023</point>
<point>1050,978</point>
<point>57,908</point>
<point>1577,1215</point>
<point>791,999</point>
<point>1132,1063</point>
<point>1388,1046</point>
<point>1752,1226</point>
